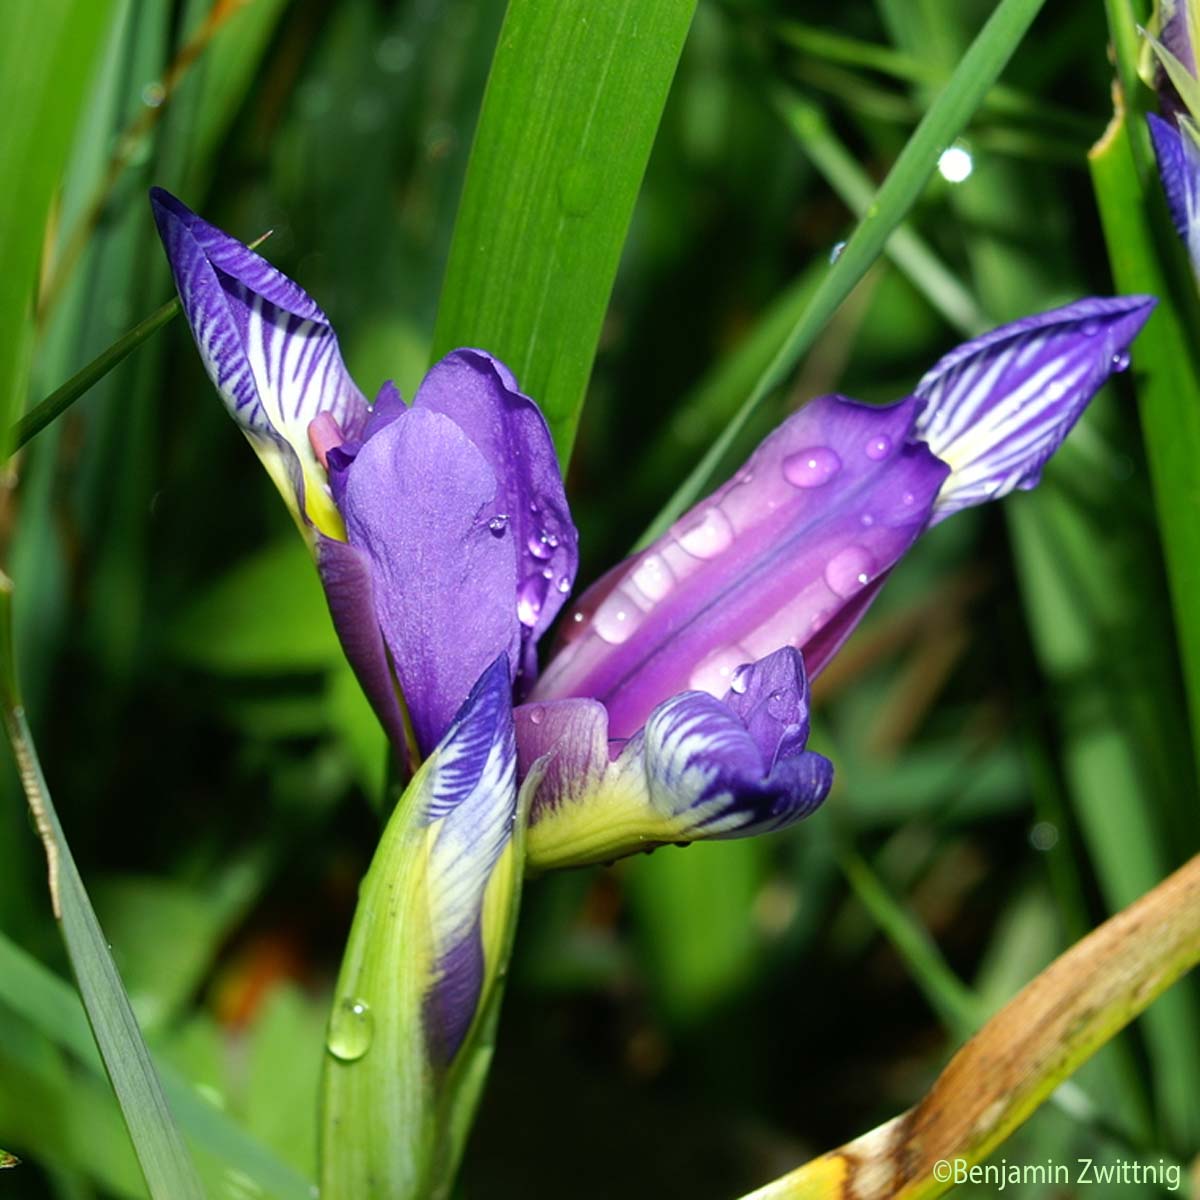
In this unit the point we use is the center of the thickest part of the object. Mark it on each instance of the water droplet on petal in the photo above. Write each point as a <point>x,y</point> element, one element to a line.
<point>1120,361</point>
<point>498,525</point>
<point>811,468</point>
<point>351,1027</point>
<point>564,585</point>
<point>849,570</point>
<point>777,705</point>
<point>539,545</point>
<point>652,577</point>
<point>715,675</point>
<point>879,447</point>
<point>741,680</point>
<point>616,618</point>
<point>1090,327</point>
<point>707,535</point>
<point>531,595</point>
<point>537,714</point>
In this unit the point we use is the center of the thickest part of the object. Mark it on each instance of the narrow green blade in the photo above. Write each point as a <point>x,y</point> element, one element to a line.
<point>52,1007</point>
<point>168,1169</point>
<point>572,105</point>
<point>46,57</point>
<point>947,116</point>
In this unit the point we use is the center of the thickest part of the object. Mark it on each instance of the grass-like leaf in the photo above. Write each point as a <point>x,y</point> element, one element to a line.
<point>573,102</point>
<point>947,116</point>
<point>45,60</point>
<point>168,1168</point>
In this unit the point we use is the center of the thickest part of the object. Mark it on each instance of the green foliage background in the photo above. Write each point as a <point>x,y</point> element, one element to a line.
<point>1009,726</point>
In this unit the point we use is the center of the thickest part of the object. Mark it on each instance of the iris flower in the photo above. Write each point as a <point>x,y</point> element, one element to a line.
<point>1176,134</point>
<point>677,707</point>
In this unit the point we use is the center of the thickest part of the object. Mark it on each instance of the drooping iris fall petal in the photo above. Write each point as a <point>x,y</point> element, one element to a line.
<point>700,768</point>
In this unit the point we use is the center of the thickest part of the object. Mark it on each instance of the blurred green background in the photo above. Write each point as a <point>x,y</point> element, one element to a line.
<point>1008,725</point>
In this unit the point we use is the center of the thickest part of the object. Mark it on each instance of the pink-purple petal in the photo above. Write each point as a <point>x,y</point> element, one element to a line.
<point>422,504</point>
<point>826,504</point>
<point>996,408</point>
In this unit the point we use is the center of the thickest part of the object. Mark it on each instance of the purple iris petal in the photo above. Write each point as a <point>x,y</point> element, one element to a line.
<point>268,348</point>
<point>421,503</point>
<point>349,589</point>
<point>1174,170</point>
<point>997,407</point>
<point>700,768</point>
<point>481,396</point>
<point>826,504</point>
<point>469,800</point>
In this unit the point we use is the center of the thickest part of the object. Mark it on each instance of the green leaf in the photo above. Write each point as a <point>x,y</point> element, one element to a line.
<point>267,615</point>
<point>46,58</point>
<point>1168,378</point>
<point>948,114</point>
<point>165,1162</point>
<point>50,1005</point>
<point>572,105</point>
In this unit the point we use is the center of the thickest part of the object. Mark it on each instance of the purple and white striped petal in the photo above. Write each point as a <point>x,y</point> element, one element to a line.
<point>701,768</point>
<point>420,502</point>
<point>481,396</point>
<point>999,406</point>
<point>468,800</point>
<point>269,350</point>
<point>824,506</point>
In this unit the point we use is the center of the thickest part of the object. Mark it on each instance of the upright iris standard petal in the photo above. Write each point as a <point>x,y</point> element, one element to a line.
<point>824,506</point>
<point>999,406</point>
<point>481,396</point>
<point>701,768</point>
<point>269,350</point>
<point>422,504</point>
<point>425,959</point>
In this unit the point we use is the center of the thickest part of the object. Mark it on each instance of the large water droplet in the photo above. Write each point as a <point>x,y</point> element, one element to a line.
<point>539,545</point>
<point>652,577</point>
<point>835,251</point>
<point>616,618</point>
<point>812,467</point>
<point>498,525</point>
<point>849,570</point>
<point>531,595</point>
<point>740,680</point>
<point>351,1027</point>
<point>707,535</point>
<point>879,447</point>
<point>537,714</point>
